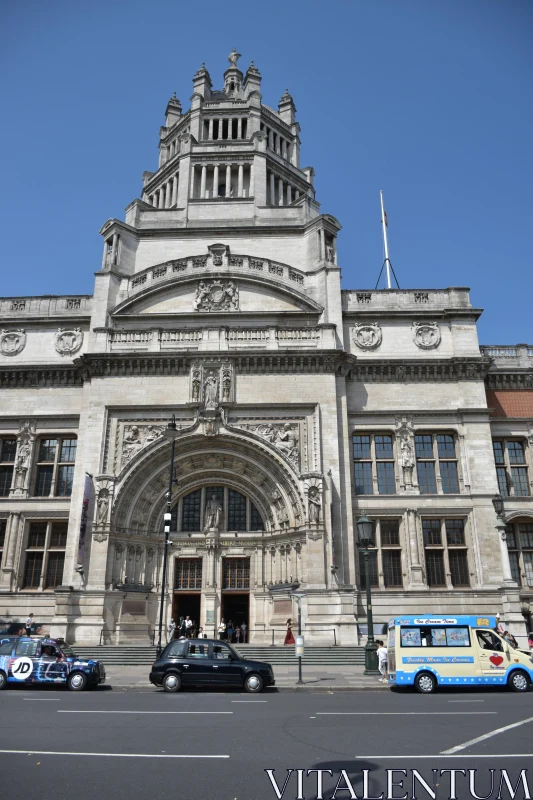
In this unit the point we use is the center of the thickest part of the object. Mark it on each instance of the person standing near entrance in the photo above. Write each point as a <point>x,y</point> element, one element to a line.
<point>188,627</point>
<point>182,628</point>
<point>243,632</point>
<point>29,623</point>
<point>230,631</point>
<point>171,630</point>
<point>222,629</point>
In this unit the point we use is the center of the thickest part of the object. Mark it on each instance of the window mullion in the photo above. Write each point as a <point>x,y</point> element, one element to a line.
<point>447,569</point>
<point>436,461</point>
<point>374,464</point>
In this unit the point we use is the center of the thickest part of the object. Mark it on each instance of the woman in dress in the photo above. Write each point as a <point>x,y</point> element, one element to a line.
<point>230,631</point>
<point>289,638</point>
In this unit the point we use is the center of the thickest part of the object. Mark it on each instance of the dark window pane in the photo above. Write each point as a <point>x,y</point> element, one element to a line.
<point>390,532</point>
<point>426,477</point>
<point>435,568</point>
<point>516,453</point>
<point>47,450</point>
<point>6,475</point>
<point>37,534</point>
<point>68,450</point>
<point>431,529</point>
<point>503,482</point>
<point>361,446</point>
<point>174,518</point>
<point>188,573</point>
<point>498,452</point>
<point>383,446</point>
<point>236,573</point>
<point>256,520</point>
<point>3,524</point>
<point>392,568</point>
<point>525,534</point>
<point>58,537</point>
<point>64,481</point>
<point>43,484</point>
<point>190,516</point>
<point>515,568</point>
<point>32,570</point>
<point>455,531</point>
<point>386,483</point>
<point>528,567</point>
<point>54,570</point>
<point>459,567</point>
<point>363,477</point>
<point>511,537</point>
<point>424,446</point>
<point>236,511</point>
<point>448,474</point>
<point>519,478</point>
<point>9,448</point>
<point>445,445</point>
<point>372,569</point>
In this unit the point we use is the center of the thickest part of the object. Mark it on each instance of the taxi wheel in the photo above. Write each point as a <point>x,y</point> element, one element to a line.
<point>253,683</point>
<point>425,683</point>
<point>518,681</point>
<point>172,682</point>
<point>3,680</point>
<point>77,682</point>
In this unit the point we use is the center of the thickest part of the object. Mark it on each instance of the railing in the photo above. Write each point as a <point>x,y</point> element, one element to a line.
<point>126,630</point>
<point>131,337</point>
<point>276,636</point>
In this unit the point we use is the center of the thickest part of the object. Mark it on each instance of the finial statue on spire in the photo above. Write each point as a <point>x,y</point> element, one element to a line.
<point>234,57</point>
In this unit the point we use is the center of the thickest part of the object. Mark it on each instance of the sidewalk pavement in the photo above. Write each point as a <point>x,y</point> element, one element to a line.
<point>315,678</point>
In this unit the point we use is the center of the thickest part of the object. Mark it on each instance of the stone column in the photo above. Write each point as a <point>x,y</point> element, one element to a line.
<point>320,244</point>
<point>168,194</point>
<point>270,138</point>
<point>251,190</point>
<point>280,191</point>
<point>174,190</point>
<point>239,128</point>
<point>228,180</point>
<point>114,249</point>
<point>203,181</point>
<point>210,134</point>
<point>296,194</point>
<point>193,179</point>
<point>7,573</point>
<point>411,537</point>
<point>289,194</point>
<point>241,177</point>
<point>272,190</point>
<point>162,197</point>
<point>215,181</point>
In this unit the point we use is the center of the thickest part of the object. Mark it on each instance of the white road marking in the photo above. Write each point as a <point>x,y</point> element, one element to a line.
<point>400,713</point>
<point>458,747</point>
<point>66,711</point>
<point>466,701</point>
<point>249,701</point>
<point>460,755</point>
<point>43,699</point>
<point>105,755</point>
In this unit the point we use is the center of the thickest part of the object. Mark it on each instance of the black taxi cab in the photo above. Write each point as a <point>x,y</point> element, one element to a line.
<point>48,661</point>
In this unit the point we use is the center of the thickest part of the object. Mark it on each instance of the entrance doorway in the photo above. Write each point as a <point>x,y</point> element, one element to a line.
<point>236,608</point>
<point>186,604</point>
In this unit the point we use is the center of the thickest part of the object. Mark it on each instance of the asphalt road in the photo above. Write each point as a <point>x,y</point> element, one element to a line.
<point>148,744</point>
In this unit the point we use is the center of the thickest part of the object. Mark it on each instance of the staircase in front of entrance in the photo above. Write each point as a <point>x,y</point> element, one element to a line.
<point>131,655</point>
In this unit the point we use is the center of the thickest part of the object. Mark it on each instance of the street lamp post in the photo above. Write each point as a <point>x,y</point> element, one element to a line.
<point>365,541</point>
<point>299,596</point>
<point>170,433</point>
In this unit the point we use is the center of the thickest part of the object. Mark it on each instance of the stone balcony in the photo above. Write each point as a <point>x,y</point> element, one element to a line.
<point>519,356</point>
<point>421,301</point>
<point>45,307</point>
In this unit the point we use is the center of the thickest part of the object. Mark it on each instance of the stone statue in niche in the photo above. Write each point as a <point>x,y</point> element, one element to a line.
<point>313,501</point>
<point>405,437</point>
<point>226,385</point>
<point>330,253</point>
<point>213,512</point>
<point>196,384</point>
<point>408,458</point>
<point>103,507</point>
<point>211,391</point>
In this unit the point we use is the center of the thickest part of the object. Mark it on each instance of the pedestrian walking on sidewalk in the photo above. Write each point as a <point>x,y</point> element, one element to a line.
<point>222,629</point>
<point>289,638</point>
<point>382,660</point>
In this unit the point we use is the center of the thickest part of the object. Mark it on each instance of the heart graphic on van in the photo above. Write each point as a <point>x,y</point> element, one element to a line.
<point>496,660</point>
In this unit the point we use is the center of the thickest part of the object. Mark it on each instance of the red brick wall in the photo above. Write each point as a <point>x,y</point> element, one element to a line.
<point>511,402</point>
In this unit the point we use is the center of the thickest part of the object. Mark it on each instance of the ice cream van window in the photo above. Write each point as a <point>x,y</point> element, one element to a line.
<point>428,636</point>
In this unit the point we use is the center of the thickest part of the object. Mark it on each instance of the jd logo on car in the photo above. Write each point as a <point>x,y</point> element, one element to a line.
<point>22,668</point>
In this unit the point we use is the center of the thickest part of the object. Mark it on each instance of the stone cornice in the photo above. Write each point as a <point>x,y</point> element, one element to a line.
<point>419,371</point>
<point>510,380</point>
<point>45,375</point>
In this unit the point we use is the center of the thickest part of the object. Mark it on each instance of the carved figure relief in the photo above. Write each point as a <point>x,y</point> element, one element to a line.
<point>284,437</point>
<point>12,342</point>
<point>426,335</point>
<point>25,440</point>
<point>211,391</point>
<point>213,512</point>
<point>367,336</point>
<point>211,385</point>
<point>136,437</point>
<point>216,296</point>
<point>68,341</point>
<point>103,507</point>
<point>314,504</point>
<point>406,440</point>
<point>196,378</point>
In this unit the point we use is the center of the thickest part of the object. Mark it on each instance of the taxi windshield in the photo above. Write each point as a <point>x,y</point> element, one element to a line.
<point>68,651</point>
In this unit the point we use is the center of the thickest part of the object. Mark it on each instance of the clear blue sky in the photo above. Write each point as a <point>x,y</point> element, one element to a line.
<point>429,100</point>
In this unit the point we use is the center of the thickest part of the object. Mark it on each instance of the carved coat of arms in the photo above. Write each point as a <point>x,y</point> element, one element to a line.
<point>12,342</point>
<point>426,335</point>
<point>216,296</point>
<point>68,341</point>
<point>367,336</point>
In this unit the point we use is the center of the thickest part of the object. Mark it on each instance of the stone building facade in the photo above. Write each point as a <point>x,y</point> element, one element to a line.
<point>299,407</point>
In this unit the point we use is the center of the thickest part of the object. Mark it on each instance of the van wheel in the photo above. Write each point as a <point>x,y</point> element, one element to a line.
<point>425,683</point>
<point>3,680</point>
<point>172,682</point>
<point>253,683</point>
<point>77,681</point>
<point>518,681</point>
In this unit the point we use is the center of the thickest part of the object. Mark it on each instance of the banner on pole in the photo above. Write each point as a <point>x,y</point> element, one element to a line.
<point>87,491</point>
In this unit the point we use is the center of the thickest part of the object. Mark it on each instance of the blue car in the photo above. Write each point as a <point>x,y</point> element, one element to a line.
<point>27,660</point>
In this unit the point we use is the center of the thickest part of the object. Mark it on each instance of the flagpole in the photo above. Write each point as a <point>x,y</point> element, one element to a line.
<point>386,244</point>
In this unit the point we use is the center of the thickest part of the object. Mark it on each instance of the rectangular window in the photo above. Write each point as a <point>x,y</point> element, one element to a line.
<point>392,568</point>
<point>503,482</point>
<point>68,449</point>
<point>190,518</point>
<point>459,567</point>
<point>426,477</point>
<point>363,477</point>
<point>455,531</point>
<point>431,529</point>
<point>435,568</point>
<point>8,450</point>
<point>390,533</point>
<point>448,474</point>
<point>236,573</point>
<point>361,446</point>
<point>6,476</point>
<point>386,482</point>
<point>372,569</point>
<point>528,567</point>
<point>64,482</point>
<point>424,445</point>
<point>525,535</point>
<point>498,452</point>
<point>520,482</point>
<point>188,573</point>
<point>516,452</point>
<point>236,511</point>
<point>256,520</point>
<point>441,538</point>
<point>47,450</point>
<point>513,481</point>
<point>445,445</point>
<point>383,446</point>
<point>514,561</point>
<point>37,534</point>
<point>54,570</point>
<point>32,570</point>
<point>43,484</point>
<point>58,537</point>
<point>55,467</point>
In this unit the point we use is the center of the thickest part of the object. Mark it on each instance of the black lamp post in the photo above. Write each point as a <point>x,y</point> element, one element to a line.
<point>365,529</point>
<point>170,433</point>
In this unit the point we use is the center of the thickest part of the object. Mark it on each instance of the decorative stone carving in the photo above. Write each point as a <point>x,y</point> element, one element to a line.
<point>314,504</point>
<point>284,437</point>
<point>68,341</point>
<point>25,441</point>
<point>12,342</point>
<point>211,385</point>
<point>102,507</point>
<point>136,437</point>
<point>406,441</point>
<point>212,461</point>
<point>216,295</point>
<point>239,466</point>
<point>218,251</point>
<point>119,549</point>
<point>213,513</point>
<point>367,336</point>
<point>426,335</point>
<point>211,390</point>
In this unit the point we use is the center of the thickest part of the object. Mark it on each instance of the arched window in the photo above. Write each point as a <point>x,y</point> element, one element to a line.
<point>238,512</point>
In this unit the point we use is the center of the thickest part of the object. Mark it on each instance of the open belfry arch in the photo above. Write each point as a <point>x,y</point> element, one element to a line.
<point>299,407</point>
